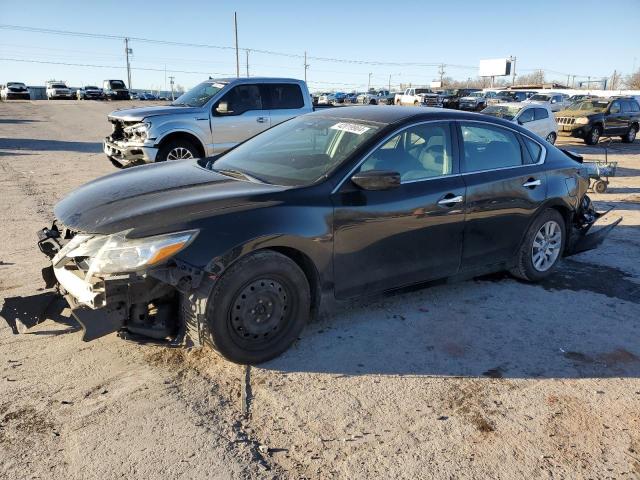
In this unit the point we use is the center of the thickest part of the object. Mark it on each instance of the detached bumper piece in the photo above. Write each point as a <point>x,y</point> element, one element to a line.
<point>581,240</point>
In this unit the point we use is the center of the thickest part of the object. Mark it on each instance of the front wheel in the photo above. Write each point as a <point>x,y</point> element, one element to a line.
<point>542,247</point>
<point>594,136</point>
<point>257,308</point>
<point>631,135</point>
<point>551,138</point>
<point>180,149</point>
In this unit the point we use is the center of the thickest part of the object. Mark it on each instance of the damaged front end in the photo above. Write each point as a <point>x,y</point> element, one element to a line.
<point>112,283</point>
<point>580,240</point>
<point>129,143</point>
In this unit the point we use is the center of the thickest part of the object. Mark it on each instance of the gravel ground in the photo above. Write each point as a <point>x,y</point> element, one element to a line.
<point>488,378</point>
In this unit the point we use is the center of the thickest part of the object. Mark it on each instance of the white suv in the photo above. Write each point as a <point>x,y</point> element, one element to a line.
<point>535,117</point>
<point>56,89</point>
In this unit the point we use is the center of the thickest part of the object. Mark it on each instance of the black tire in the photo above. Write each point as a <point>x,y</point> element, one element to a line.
<point>171,145</point>
<point>524,267</point>
<point>373,102</point>
<point>256,337</point>
<point>600,186</point>
<point>416,103</point>
<point>630,137</point>
<point>551,138</point>
<point>594,136</point>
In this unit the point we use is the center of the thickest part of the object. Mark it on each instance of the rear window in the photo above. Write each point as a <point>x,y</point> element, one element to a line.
<point>284,96</point>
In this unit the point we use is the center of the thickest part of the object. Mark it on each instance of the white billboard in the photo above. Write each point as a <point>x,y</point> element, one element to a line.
<point>496,67</point>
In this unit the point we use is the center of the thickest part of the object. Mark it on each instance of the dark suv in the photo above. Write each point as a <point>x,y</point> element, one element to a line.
<point>451,98</point>
<point>593,118</point>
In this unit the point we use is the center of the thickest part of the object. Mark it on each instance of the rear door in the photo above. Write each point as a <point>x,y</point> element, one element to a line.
<point>246,115</point>
<point>506,184</point>
<point>284,101</point>
<point>614,120</point>
<point>389,238</point>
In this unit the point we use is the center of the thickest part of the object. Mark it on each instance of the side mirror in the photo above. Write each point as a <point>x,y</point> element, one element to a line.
<point>377,180</point>
<point>222,108</point>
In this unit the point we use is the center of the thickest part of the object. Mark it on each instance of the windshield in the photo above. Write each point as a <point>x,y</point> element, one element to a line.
<point>422,90</point>
<point>199,95</point>
<point>508,112</point>
<point>15,84</point>
<point>89,87</point>
<point>544,98</point>
<point>593,105</point>
<point>297,152</point>
<point>117,84</point>
<point>504,95</point>
<point>477,94</point>
<point>58,85</point>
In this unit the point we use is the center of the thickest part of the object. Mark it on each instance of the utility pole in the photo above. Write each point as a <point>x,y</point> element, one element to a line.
<point>568,79</point>
<point>588,83</point>
<point>171,77</point>
<point>127,51</point>
<point>573,81</point>
<point>390,82</point>
<point>441,72</point>
<point>306,66</point>
<point>369,83</point>
<point>235,23</point>
<point>247,52</point>
<point>513,71</point>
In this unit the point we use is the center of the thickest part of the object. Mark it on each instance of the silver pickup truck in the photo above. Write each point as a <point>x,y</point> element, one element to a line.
<point>207,120</point>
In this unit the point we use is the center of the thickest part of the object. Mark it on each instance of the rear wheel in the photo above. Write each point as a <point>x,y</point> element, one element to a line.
<point>551,138</point>
<point>631,135</point>
<point>256,310</point>
<point>542,247</point>
<point>415,103</point>
<point>180,149</point>
<point>594,136</point>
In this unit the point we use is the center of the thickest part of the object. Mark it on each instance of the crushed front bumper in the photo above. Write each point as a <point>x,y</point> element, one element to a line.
<point>124,154</point>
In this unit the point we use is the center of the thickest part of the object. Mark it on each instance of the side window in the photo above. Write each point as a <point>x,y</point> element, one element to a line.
<point>534,150</point>
<point>634,106</point>
<point>487,147</point>
<point>540,114</point>
<point>626,107</point>
<point>240,99</point>
<point>615,107</point>
<point>284,96</point>
<point>416,153</point>
<point>526,115</point>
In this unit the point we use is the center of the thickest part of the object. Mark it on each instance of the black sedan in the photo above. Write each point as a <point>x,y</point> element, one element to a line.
<point>240,250</point>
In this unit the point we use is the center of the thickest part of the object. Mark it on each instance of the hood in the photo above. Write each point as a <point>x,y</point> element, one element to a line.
<point>157,195</point>
<point>138,113</point>
<point>468,99</point>
<point>577,113</point>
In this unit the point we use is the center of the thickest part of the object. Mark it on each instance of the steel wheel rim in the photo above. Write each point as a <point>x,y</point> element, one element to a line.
<point>595,135</point>
<point>551,138</point>
<point>260,313</point>
<point>546,246</point>
<point>179,153</point>
<point>632,134</point>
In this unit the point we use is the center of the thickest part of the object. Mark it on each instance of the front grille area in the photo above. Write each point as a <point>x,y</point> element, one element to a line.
<point>566,120</point>
<point>431,101</point>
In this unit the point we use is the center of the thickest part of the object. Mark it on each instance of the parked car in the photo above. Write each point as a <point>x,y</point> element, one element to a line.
<point>412,96</point>
<point>580,97</point>
<point>90,92</point>
<point>537,118</point>
<point>241,250</point>
<point>594,118</point>
<point>14,91</point>
<point>207,120</point>
<point>115,90</point>
<point>556,101</point>
<point>351,98</point>
<point>387,98</point>
<point>475,101</point>
<point>501,97</point>
<point>451,98</point>
<point>56,89</point>
<point>522,95</point>
<point>147,96</point>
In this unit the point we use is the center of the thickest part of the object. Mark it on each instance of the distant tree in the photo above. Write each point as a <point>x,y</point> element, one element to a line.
<point>632,82</point>
<point>615,81</point>
<point>534,78</point>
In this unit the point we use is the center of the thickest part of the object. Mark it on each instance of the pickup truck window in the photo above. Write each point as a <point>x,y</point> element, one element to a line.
<point>615,107</point>
<point>242,98</point>
<point>297,152</point>
<point>198,95</point>
<point>283,96</point>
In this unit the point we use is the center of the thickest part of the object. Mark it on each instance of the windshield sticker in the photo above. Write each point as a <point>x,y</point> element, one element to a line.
<point>351,128</point>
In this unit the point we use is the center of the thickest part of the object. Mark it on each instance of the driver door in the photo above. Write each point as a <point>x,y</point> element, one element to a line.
<point>240,114</point>
<point>408,234</point>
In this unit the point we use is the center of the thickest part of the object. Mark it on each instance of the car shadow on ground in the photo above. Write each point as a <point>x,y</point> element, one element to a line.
<point>24,313</point>
<point>16,121</point>
<point>49,145</point>
<point>581,322</point>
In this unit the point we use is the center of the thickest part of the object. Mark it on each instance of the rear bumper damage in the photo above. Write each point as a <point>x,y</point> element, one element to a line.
<point>580,238</point>
<point>136,305</point>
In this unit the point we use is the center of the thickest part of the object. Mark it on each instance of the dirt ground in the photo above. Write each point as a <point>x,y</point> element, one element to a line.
<point>488,378</point>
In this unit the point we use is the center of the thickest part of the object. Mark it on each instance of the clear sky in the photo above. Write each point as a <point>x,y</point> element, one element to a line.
<point>580,38</point>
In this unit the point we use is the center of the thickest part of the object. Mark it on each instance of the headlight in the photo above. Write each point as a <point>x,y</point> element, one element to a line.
<point>117,254</point>
<point>582,120</point>
<point>139,129</point>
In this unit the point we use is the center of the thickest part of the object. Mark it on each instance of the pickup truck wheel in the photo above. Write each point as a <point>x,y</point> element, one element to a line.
<point>257,308</point>
<point>372,102</point>
<point>631,135</point>
<point>551,138</point>
<point>416,103</point>
<point>594,136</point>
<point>542,247</point>
<point>177,150</point>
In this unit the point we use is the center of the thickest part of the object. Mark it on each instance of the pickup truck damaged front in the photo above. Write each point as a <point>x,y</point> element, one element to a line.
<point>143,302</point>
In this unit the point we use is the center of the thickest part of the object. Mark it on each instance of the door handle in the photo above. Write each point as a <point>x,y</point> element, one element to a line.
<point>531,183</point>
<point>262,119</point>
<point>451,199</point>
<point>199,119</point>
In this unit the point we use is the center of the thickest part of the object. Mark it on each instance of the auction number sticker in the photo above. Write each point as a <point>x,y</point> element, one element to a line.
<point>350,127</point>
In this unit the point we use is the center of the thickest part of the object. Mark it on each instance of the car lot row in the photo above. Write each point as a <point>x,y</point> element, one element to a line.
<point>57,89</point>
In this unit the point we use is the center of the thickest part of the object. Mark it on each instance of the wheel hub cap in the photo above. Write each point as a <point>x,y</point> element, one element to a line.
<point>259,309</point>
<point>179,153</point>
<point>546,246</point>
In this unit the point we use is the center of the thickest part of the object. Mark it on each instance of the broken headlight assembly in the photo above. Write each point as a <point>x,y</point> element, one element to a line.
<point>140,130</point>
<point>107,254</point>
